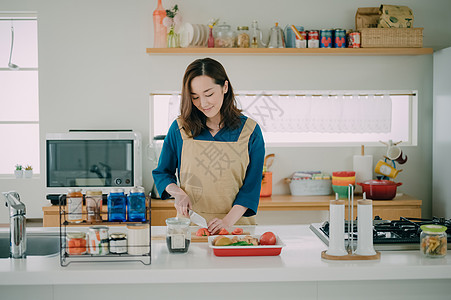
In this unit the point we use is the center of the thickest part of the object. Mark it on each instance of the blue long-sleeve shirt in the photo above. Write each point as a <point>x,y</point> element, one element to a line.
<point>170,159</point>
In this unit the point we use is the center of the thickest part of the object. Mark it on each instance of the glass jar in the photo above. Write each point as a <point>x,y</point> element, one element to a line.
<point>94,205</point>
<point>256,36</point>
<point>118,243</point>
<point>138,239</point>
<point>224,36</point>
<point>242,40</point>
<point>136,205</point>
<point>117,205</point>
<point>98,240</point>
<point>433,240</point>
<point>178,235</point>
<point>76,243</point>
<point>74,206</point>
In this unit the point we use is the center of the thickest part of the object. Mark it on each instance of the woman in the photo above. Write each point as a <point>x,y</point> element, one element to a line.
<point>217,151</point>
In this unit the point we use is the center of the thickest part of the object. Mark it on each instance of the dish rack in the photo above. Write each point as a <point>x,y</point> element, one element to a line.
<point>66,258</point>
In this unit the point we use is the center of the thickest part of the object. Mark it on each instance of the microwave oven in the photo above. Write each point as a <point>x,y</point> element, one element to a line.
<point>93,160</point>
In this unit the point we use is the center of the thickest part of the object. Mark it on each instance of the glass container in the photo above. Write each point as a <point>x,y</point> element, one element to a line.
<point>159,30</point>
<point>98,240</point>
<point>243,40</point>
<point>94,205</point>
<point>138,239</point>
<point>118,243</point>
<point>224,36</point>
<point>136,205</point>
<point>178,235</point>
<point>433,240</point>
<point>76,243</point>
<point>74,206</point>
<point>256,36</point>
<point>117,205</point>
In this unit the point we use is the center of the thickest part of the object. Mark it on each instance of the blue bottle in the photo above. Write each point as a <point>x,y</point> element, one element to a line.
<point>136,205</point>
<point>117,205</point>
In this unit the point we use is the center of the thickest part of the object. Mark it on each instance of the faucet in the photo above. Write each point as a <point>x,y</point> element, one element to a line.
<point>17,227</point>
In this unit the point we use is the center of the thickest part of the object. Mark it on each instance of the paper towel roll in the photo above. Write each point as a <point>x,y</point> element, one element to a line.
<point>363,167</point>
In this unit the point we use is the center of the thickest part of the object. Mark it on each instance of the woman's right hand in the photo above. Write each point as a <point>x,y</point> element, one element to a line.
<point>182,201</point>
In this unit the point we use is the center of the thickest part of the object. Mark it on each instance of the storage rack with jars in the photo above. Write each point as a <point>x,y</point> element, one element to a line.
<point>91,239</point>
<point>291,51</point>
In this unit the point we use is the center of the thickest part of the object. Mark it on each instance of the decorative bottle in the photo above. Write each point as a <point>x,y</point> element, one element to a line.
<point>159,30</point>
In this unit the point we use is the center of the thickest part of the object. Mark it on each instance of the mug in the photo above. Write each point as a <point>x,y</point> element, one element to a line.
<point>395,153</point>
<point>385,169</point>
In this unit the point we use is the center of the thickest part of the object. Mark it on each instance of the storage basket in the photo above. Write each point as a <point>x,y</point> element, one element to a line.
<point>391,37</point>
<point>309,187</point>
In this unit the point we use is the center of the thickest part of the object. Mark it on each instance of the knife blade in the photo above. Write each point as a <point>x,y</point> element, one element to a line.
<point>197,219</point>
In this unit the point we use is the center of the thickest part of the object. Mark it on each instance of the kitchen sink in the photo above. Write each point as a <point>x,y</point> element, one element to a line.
<point>37,245</point>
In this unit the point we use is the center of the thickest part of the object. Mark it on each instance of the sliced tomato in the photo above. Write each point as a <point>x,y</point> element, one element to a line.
<point>237,231</point>
<point>268,238</point>
<point>223,231</point>
<point>203,232</point>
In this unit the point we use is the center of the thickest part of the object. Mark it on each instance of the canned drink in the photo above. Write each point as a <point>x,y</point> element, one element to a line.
<point>325,38</point>
<point>301,42</point>
<point>339,38</point>
<point>354,40</point>
<point>313,39</point>
<point>98,240</point>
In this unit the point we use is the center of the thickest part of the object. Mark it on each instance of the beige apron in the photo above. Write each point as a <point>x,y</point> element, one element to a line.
<point>212,173</point>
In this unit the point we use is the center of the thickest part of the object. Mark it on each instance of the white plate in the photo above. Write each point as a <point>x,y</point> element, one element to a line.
<point>206,33</point>
<point>196,35</point>
<point>186,34</point>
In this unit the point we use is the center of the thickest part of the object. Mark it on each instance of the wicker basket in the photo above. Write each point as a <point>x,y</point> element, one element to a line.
<point>391,37</point>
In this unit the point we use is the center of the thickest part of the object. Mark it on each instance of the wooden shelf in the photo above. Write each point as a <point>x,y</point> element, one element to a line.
<point>291,51</point>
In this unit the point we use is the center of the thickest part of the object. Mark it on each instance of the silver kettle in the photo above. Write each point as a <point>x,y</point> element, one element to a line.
<point>276,37</point>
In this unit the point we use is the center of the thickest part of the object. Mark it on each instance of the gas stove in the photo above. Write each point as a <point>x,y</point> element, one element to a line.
<point>402,234</point>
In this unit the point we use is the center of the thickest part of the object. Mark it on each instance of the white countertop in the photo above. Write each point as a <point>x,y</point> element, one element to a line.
<point>300,260</point>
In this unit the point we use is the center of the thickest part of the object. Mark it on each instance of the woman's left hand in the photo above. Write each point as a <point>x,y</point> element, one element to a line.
<point>215,225</point>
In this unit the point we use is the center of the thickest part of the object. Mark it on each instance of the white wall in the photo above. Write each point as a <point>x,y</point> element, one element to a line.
<point>441,188</point>
<point>94,73</point>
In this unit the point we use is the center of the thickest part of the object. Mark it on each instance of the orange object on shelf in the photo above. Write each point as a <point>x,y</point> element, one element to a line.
<point>76,243</point>
<point>266,190</point>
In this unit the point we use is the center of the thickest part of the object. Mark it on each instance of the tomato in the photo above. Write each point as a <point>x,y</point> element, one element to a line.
<point>223,231</point>
<point>202,232</point>
<point>237,231</point>
<point>268,238</point>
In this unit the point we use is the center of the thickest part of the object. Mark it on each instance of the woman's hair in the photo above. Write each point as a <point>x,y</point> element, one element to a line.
<point>193,119</point>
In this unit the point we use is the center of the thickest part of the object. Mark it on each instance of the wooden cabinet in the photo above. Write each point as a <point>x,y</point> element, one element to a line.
<point>401,206</point>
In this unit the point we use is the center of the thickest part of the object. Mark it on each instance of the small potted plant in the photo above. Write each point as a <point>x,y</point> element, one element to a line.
<point>18,172</point>
<point>28,172</point>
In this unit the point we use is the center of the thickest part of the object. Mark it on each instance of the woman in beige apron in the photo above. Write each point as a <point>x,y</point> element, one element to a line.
<point>218,152</point>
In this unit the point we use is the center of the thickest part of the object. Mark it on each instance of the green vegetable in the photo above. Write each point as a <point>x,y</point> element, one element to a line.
<point>241,243</point>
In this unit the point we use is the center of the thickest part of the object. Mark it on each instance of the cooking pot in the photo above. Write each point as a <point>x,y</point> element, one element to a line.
<point>379,189</point>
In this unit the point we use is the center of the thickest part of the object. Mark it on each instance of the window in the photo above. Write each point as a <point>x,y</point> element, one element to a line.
<point>19,105</point>
<point>314,118</point>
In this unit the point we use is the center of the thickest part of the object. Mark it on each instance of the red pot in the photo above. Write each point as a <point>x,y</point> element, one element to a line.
<point>379,189</point>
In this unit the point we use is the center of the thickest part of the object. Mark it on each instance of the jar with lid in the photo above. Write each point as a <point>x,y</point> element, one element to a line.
<point>138,239</point>
<point>136,205</point>
<point>98,240</point>
<point>118,243</point>
<point>76,243</point>
<point>224,36</point>
<point>242,40</point>
<point>433,239</point>
<point>178,235</point>
<point>74,205</point>
<point>117,205</point>
<point>94,205</point>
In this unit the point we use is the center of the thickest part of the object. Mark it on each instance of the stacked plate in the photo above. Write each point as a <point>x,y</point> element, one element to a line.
<point>193,35</point>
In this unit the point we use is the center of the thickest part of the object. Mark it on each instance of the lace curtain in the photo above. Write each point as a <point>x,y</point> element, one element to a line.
<point>312,113</point>
<point>325,113</point>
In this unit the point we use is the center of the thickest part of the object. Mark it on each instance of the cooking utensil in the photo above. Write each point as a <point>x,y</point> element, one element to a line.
<point>379,189</point>
<point>11,65</point>
<point>276,38</point>
<point>197,219</point>
<point>267,163</point>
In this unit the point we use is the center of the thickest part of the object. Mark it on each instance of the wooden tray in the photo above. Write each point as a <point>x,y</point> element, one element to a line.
<point>351,256</point>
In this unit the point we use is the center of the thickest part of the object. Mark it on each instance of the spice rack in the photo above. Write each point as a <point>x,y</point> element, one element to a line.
<point>66,258</point>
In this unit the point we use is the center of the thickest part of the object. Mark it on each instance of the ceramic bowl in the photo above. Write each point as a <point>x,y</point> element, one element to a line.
<point>342,191</point>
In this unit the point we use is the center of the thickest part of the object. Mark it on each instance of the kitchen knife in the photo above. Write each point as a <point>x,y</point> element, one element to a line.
<point>197,219</point>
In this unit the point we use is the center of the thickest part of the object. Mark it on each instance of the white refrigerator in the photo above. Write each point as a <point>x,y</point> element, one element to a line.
<point>441,148</point>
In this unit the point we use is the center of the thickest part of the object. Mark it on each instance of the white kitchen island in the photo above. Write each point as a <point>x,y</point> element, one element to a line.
<point>298,273</point>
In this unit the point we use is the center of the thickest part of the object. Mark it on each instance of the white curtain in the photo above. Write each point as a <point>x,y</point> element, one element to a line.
<point>325,113</point>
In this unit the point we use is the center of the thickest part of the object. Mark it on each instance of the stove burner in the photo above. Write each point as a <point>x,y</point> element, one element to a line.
<point>402,231</point>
